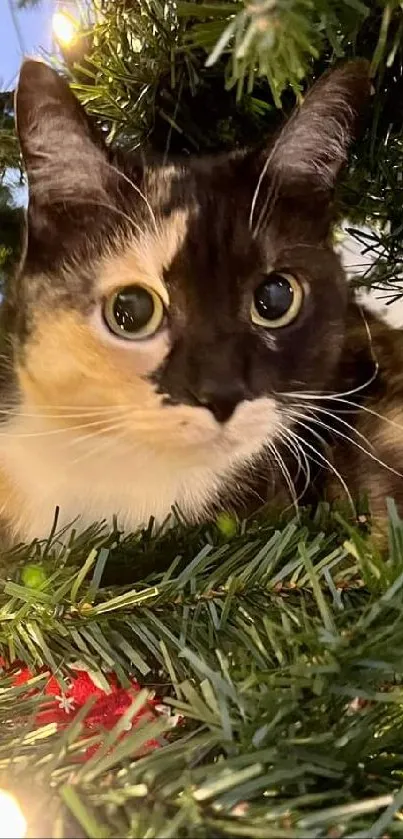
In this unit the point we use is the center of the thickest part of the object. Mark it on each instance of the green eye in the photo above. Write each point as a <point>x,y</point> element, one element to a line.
<point>133,312</point>
<point>277,301</point>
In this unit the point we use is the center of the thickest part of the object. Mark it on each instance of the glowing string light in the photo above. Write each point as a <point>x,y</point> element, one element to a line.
<point>13,824</point>
<point>64,28</point>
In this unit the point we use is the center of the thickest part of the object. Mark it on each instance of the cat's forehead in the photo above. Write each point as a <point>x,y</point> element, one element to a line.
<point>145,255</point>
<point>186,221</point>
<point>199,184</point>
<point>164,187</point>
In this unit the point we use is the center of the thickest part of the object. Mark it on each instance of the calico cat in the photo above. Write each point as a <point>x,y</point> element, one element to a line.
<point>183,334</point>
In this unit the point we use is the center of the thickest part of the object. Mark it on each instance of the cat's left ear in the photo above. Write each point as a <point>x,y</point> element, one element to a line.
<point>313,145</point>
<point>63,156</point>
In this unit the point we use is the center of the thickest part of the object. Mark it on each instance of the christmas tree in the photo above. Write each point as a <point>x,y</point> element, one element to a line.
<point>10,215</point>
<point>237,678</point>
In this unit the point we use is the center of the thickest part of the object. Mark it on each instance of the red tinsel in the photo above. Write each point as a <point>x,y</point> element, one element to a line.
<point>107,707</point>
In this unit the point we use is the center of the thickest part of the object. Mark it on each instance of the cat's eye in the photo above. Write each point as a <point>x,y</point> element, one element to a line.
<point>134,312</point>
<point>277,301</point>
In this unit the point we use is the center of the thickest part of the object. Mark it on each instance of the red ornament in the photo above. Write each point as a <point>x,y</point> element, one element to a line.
<point>107,707</point>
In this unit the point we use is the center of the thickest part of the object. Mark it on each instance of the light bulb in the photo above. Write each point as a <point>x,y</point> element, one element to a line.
<point>13,824</point>
<point>64,28</point>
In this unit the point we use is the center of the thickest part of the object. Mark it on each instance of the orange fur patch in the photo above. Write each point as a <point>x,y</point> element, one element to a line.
<point>144,259</point>
<point>67,364</point>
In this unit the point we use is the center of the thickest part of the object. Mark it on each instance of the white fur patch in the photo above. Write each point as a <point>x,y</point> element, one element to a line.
<point>94,479</point>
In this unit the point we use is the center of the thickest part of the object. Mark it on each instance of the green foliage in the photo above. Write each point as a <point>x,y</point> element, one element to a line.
<point>9,150</point>
<point>150,61</point>
<point>11,218</point>
<point>282,648</point>
<point>10,215</point>
<point>206,76</point>
<point>134,71</point>
<point>277,40</point>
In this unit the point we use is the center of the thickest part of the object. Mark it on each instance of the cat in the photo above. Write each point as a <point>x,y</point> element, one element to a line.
<point>182,333</point>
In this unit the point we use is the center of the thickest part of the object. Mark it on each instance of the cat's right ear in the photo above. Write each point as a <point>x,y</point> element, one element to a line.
<point>64,159</point>
<point>313,145</point>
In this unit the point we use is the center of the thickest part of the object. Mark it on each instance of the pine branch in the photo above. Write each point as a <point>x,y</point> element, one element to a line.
<point>278,40</point>
<point>141,54</point>
<point>282,649</point>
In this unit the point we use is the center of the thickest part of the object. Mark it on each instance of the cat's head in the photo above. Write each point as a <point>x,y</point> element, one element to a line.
<point>185,297</point>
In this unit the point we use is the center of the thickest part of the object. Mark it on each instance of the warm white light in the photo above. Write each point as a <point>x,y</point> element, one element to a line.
<point>12,821</point>
<point>64,28</point>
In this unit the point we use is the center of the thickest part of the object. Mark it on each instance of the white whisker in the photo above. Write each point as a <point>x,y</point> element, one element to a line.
<point>138,191</point>
<point>286,475</point>
<point>350,440</point>
<point>309,395</point>
<point>273,188</point>
<point>306,394</point>
<point>370,411</point>
<point>298,453</point>
<point>44,412</point>
<point>106,206</point>
<point>272,194</point>
<point>59,415</point>
<point>101,431</point>
<point>315,410</point>
<point>52,431</point>
<point>105,446</point>
<point>324,459</point>
<point>353,405</point>
<point>294,451</point>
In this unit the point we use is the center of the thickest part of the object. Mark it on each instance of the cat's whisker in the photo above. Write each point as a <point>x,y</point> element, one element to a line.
<point>55,416</point>
<point>318,395</point>
<point>271,198</point>
<point>289,445</point>
<point>256,192</point>
<point>60,406</point>
<point>370,411</point>
<point>261,178</point>
<point>238,493</point>
<point>105,447</point>
<point>137,190</point>
<point>252,474</point>
<point>353,442</point>
<point>83,438</point>
<point>298,442</point>
<point>50,432</point>
<point>313,410</point>
<point>295,449</point>
<point>312,395</point>
<point>131,410</point>
<point>324,459</point>
<point>286,475</point>
<point>106,206</point>
<point>353,405</point>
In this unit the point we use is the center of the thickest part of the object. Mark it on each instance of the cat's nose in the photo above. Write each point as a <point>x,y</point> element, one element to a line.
<point>221,401</point>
